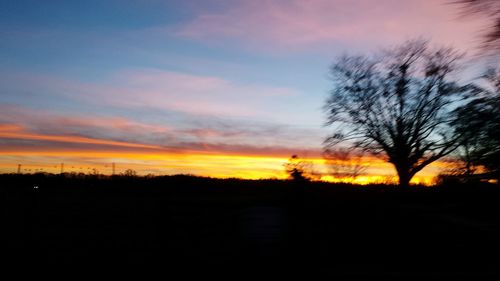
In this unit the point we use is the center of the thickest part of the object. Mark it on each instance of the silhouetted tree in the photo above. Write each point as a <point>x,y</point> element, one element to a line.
<point>94,172</point>
<point>130,173</point>
<point>478,122</point>
<point>396,105</point>
<point>486,9</point>
<point>297,168</point>
<point>344,163</point>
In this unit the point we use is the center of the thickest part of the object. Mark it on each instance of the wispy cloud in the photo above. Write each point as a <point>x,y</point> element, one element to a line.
<point>44,128</point>
<point>295,24</point>
<point>193,94</point>
<point>117,128</point>
<point>17,133</point>
<point>157,89</point>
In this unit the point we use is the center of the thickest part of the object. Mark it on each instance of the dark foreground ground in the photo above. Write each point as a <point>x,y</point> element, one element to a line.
<point>206,227</point>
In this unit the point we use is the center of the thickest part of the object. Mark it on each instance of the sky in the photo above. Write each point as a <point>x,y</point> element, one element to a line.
<point>211,88</point>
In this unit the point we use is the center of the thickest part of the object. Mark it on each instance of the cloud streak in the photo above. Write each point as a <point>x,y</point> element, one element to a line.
<point>158,89</point>
<point>294,24</point>
<point>207,131</point>
<point>17,133</point>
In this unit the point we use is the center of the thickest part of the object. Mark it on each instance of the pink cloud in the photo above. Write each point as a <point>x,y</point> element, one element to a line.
<point>152,88</point>
<point>117,124</point>
<point>164,90</point>
<point>291,24</point>
<point>57,126</point>
<point>20,136</point>
<point>113,128</point>
<point>20,117</point>
<point>194,94</point>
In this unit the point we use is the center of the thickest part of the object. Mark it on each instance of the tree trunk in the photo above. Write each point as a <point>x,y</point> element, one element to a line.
<point>404,183</point>
<point>404,177</point>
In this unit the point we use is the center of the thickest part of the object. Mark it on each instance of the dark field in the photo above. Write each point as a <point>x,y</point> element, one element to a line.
<point>199,226</point>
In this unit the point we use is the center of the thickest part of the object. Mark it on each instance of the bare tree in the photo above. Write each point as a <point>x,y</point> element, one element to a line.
<point>478,122</point>
<point>344,163</point>
<point>489,9</point>
<point>130,173</point>
<point>300,170</point>
<point>396,105</point>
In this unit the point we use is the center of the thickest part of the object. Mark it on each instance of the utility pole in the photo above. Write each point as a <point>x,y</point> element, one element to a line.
<point>113,168</point>
<point>18,168</point>
<point>62,168</point>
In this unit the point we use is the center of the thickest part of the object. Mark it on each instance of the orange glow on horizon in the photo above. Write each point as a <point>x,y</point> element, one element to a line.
<point>96,155</point>
<point>196,163</point>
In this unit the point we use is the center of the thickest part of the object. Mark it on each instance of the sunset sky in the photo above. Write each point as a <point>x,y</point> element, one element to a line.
<point>212,88</point>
